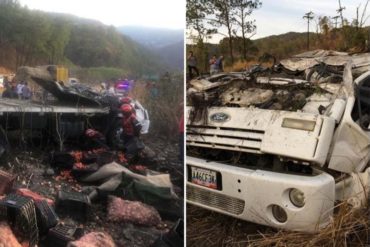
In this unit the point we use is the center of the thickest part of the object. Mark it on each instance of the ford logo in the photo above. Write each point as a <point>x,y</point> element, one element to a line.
<point>220,117</point>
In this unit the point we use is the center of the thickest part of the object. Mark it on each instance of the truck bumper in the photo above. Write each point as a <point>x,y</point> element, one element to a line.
<point>250,195</point>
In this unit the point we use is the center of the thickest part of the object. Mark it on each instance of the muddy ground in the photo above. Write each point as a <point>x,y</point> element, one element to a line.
<point>30,165</point>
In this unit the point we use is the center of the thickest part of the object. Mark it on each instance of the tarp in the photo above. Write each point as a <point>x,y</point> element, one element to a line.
<point>153,189</point>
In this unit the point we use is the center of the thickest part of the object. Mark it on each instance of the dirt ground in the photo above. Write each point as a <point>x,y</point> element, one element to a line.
<point>30,166</point>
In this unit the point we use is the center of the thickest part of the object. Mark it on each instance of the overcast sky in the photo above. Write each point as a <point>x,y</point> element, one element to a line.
<point>281,16</point>
<point>149,13</point>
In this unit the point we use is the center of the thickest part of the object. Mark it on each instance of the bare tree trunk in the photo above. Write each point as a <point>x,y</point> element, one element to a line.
<point>243,34</point>
<point>231,47</point>
<point>244,47</point>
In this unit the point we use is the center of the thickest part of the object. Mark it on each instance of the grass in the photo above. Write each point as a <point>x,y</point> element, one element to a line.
<point>348,228</point>
<point>166,107</point>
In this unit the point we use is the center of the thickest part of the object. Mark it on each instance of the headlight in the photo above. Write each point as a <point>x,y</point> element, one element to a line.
<point>279,213</point>
<point>297,197</point>
<point>298,124</point>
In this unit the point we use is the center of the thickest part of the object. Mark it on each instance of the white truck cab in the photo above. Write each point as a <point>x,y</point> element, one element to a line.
<point>259,151</point>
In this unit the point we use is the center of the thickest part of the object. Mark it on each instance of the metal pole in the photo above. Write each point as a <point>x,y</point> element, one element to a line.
<point>308,16</point>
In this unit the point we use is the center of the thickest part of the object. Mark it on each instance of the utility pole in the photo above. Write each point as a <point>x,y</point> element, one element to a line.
<point>309,17</point>
<point>340,10</point>
<point>335,18</point>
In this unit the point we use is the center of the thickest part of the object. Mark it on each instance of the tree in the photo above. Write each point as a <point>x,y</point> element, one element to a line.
<point>8,8</point>
<point>59,38</point>
<point>324,24</point>
<point>196,14</point>
<point>243,9</point>
<point>31,32</point>
<point>224,17</point>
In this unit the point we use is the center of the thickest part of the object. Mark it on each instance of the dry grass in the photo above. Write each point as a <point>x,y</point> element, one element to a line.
<point>348,228</point>
<point>165,109</point>
<point>5,71</point>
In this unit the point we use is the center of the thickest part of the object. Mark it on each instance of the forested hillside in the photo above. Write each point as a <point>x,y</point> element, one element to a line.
<point>168,44</point>
<point>29,37</point>
<point>153,37</point>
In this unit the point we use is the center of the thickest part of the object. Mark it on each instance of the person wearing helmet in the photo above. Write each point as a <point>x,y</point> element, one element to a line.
<point>128,101</point>
<point>130,125</point>
<point>131,128</point>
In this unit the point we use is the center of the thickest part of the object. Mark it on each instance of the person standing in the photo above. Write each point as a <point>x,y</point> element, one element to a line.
<point>19,89</point>
<point>212,65</point>
<point>219,64</point>
<point>26,92</point>
<point>192,65</point>
<point>131,128</point>
<point>111,90</point>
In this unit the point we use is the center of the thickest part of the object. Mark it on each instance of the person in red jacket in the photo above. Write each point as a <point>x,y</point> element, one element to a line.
<point>131,128</point>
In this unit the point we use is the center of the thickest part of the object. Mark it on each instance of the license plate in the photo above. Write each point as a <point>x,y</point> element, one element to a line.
<point>204,177</point>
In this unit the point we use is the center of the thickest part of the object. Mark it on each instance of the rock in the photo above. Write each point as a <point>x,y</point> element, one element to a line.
<point>94,239</point>
<point>132,211</point>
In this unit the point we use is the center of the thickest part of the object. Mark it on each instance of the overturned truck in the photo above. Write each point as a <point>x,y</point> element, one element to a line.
<point>281,146</point>
<point>66,114</point>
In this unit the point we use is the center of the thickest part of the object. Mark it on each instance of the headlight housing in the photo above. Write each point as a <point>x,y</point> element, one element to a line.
<point>297,197</point>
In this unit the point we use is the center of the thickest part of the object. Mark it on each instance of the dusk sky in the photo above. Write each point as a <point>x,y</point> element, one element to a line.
<point>158,13</point>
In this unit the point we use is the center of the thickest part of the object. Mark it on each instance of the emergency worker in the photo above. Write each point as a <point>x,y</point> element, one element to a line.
<point>131,128</point>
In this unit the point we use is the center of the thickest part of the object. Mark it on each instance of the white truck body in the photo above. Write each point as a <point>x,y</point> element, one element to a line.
<point>331,145</point>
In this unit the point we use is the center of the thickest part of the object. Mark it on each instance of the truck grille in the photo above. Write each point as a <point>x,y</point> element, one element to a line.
<point>215,200</point>
<point>235,139</point>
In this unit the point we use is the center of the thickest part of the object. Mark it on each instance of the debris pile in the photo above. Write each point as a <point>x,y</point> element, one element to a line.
<point>130,194</point>
<point>86,190</point>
